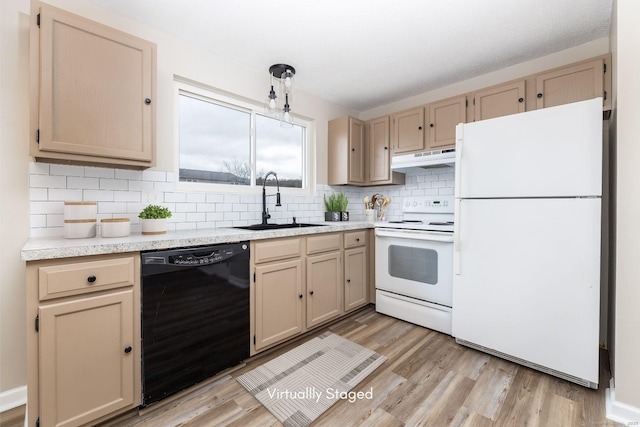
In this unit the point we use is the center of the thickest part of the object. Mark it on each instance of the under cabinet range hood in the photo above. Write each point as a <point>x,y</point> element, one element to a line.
<point>426,159</point>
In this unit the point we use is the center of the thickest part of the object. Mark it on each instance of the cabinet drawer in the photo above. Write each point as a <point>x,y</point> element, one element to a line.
<point>83,277</point>
<point>324,243</point>
<point>355,238</point>
<point>271,250</point>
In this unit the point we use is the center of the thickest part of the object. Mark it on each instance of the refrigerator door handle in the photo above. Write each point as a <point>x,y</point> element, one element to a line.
<point>456,238</point>
<point>459,141</point>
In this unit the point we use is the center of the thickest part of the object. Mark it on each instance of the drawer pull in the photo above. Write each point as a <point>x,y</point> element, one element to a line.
<point>300,296</point>
<point>348,280</point>
<point>128,349</point>
<point>311,293</point>
<point>357,239</point>
<point>91,279</point>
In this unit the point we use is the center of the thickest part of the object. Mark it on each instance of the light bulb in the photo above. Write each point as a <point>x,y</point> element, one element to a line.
<point>272,103</point>
<point>287,80</point>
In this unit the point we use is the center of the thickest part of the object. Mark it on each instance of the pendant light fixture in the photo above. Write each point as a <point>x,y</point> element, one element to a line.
<point>281,93</point>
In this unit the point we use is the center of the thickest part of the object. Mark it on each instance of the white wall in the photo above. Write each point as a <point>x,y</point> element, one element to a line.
<point>627,135</point>
<point>14,209</point>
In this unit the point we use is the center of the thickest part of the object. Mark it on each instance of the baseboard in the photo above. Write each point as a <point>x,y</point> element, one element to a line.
<point>13,398</point>
<point>618,411</point>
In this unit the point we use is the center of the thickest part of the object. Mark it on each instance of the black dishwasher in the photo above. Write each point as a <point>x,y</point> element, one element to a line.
<point>195,315</point>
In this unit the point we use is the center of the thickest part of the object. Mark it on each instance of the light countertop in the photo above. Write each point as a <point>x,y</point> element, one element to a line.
<point>58,247</point>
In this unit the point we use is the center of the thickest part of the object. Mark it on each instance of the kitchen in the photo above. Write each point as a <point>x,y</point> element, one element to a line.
<point>17,169</point>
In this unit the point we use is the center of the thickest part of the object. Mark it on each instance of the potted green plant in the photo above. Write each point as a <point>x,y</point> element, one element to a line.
<point>154,219</point>
<point>336,206</point>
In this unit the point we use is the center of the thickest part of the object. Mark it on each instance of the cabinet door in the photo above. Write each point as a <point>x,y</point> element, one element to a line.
<point>571,84</point>
<point>444,116</point>
<point>356,151</point>
<point>355,278</point>
<point>500,101</point>
<point>408,131</point>
<point>278,297</point>
<point>96,90</point>
<point>86,360</point>
<point>379,152</point>
<point>324,298</point>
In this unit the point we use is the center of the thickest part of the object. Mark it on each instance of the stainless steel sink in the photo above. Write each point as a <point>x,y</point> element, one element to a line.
<point>259,227</point>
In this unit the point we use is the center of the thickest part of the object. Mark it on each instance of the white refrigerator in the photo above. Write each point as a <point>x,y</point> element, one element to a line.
<point>527,238</point>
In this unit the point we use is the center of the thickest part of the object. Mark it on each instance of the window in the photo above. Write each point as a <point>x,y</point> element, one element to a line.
<point>226,142</point>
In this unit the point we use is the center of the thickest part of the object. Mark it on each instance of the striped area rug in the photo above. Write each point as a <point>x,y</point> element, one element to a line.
<point>298,386</point>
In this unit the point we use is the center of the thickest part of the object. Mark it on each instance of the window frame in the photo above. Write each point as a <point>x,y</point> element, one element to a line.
<point>227,99</point>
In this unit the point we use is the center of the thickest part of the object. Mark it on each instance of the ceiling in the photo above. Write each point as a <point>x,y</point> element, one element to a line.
<point>362,54</point>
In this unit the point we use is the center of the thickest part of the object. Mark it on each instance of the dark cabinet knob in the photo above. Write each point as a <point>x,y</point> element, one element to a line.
<point>348,280</point>
<point>357,239</point>
<point>520,99</point>
<point>353,149</point>
<point>386,148</point>
<point>311,293</point>
<point>147,101</point>
<point>419,127</point>
<point>431,125</point>
<point>91,279</point>
<point>300,296</point>
<point>539,95</point>
<point>128,349</point>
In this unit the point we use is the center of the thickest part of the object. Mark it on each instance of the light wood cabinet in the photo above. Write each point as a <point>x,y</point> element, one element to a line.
<point>570,84</point>
<point>93,92</point>
<point>346,151</point>
<point>408,131</point>
<point>378,153</point>
<point>444,116</point>
<point>278,302</point>
<point>324,284</point>
<point>83,339</point>
<point>501,100</point>
<point>299,283</point>
<point>355,270</point>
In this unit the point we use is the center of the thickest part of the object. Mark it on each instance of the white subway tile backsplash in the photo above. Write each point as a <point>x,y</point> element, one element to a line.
<point>120,193</point>
<point>65,195</point>
<point>83,183</point>
<point>114,184</point>
<point>99,172</point>
<point>66,170</point>
<point>157,176</point>
<point>133,175</point>
<point>127,196</point>
<point>47,181</point>
<point>98,195</point>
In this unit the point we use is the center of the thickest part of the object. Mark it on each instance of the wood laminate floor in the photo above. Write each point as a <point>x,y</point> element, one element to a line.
<point>428,380</point>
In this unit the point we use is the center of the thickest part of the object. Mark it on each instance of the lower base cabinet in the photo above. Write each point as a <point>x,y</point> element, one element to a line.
<point>324,285</point>
<point>278,302</point>
<point>303,282</point>
<point>87,370</point>
<point>83,336</point>
<point>355,277</point>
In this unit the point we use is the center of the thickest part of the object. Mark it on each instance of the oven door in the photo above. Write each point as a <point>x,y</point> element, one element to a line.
<point>416,264</point>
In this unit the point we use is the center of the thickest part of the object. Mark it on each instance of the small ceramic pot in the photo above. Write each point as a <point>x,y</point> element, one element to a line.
<point>154,226</point>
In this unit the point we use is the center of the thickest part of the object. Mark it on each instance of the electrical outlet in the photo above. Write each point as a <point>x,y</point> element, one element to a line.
<point>152,196</point>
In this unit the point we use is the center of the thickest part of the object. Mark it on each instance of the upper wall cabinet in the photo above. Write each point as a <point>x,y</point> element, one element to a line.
<point>570,84</point>
<point>408,131</point>
<point>500,100</point>
<point>378,154</point>
<point>346,151</point>
<point>443,118</point>
<point>93,92</point>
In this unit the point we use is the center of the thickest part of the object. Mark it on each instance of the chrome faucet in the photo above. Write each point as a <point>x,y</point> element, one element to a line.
<point>265,211</point>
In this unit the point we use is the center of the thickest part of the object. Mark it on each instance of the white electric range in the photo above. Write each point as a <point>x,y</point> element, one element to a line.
<point>414,263</point>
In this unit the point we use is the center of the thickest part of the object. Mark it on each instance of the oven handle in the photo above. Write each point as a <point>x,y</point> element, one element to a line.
<point>415,235</point>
